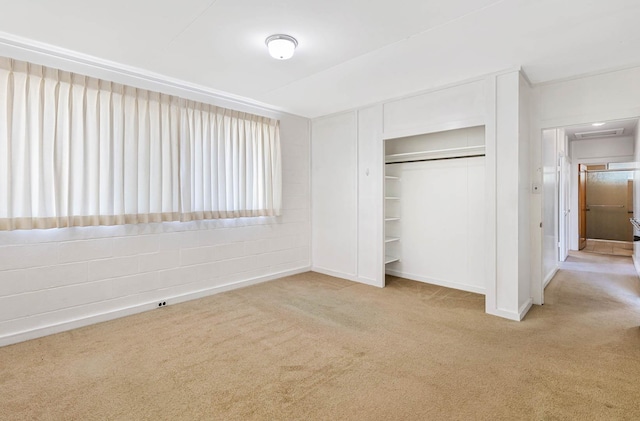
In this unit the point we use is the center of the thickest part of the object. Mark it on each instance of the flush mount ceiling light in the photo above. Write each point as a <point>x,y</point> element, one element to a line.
<point>281,47</point>
<point>597,124</point>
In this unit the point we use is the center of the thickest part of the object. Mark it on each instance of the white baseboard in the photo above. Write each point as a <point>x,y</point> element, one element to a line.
<point>636,264</point>
<point>524,309</point>
<point>369,281</point>
<point>13,338</point>
<point>512,315</point>
<point>505,314</point>
<point>549,277</point>
<point>347,276</point>
<point>334,273</point>
<point>439,282</point>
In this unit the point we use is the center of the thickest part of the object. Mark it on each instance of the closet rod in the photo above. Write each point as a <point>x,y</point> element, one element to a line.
<point>434,159</point>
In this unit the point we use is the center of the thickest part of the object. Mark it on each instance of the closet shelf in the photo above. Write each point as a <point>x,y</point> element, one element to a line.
<point>391,239</point>
<point>390,177</point>
<point>390,259</point>
<point>391,219</point>
<point>392,198</point>
<point>460,152</point>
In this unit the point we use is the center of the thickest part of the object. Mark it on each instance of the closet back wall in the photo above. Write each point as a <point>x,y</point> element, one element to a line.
<point>441,213</point>
<point>441,204</point>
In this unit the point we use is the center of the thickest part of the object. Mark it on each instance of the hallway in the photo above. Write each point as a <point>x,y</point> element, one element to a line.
<point>597,289</point>
<point>617,248</point>
<point>592,314</point>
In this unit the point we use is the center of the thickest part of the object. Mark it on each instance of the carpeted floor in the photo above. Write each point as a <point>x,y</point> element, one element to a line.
<point>312,347</point>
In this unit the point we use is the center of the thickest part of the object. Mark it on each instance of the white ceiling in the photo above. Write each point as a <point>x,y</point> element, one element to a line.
<point>351,52</point>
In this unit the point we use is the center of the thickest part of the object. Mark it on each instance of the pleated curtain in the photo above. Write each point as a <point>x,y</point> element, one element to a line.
<point>79,151</point>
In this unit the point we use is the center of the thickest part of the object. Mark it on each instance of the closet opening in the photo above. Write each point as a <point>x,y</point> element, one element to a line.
<point>434,208</point>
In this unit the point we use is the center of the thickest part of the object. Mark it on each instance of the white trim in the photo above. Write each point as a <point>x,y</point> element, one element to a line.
<point>381,192</point>
<point>549,277</point>
<point>20,48</point>
<point>356,217</point>
<point>346,276</point>
<point>524,309</point>
<point>335,273</point>
<point>16,337</point>
<point>491,221</point>
<point>369,281</point>
<point>439,282</point>
<point>586,75</point>
<point>569,121</point>
<point>505,314</point>
<point>310,195</point>
<point>636,264</point>
<point>512,315</point>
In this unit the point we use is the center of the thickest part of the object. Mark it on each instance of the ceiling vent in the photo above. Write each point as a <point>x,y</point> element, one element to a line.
<point>599,133</point>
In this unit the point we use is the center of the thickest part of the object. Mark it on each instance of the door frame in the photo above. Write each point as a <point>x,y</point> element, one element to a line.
<point>563,188</point>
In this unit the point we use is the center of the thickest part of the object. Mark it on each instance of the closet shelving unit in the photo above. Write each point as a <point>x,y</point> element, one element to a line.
<point>391,256</point>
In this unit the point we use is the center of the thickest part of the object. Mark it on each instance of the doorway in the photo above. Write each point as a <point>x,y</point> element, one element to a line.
<point>605,196</point>
<point>575,161</point>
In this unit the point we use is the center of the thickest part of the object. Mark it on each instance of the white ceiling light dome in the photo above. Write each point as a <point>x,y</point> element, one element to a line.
<point>281,47</point>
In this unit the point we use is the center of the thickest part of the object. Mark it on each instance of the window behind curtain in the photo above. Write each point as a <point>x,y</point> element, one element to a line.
<point>78,151</point>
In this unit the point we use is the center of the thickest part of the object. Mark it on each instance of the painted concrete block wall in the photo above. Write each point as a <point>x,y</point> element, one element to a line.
<point>52,280</point>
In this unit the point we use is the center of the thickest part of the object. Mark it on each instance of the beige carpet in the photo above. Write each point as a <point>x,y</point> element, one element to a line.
<point>312,347</point>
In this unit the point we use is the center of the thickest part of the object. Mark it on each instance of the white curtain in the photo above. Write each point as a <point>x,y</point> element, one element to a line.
<point>77,151</point>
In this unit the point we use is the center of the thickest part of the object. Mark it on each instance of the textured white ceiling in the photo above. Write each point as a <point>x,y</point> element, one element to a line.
<point>351,52</point>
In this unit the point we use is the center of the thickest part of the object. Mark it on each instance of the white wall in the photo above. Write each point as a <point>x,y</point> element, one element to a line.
<point>334,195</point>
<point>613,149</point>
<point>513,194</point>
<point>492,101</point>
<point>524,197</point>
<point>608,96</point>
<point>58,279</point>
<point>347,195</point>
<point>370,196</point>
